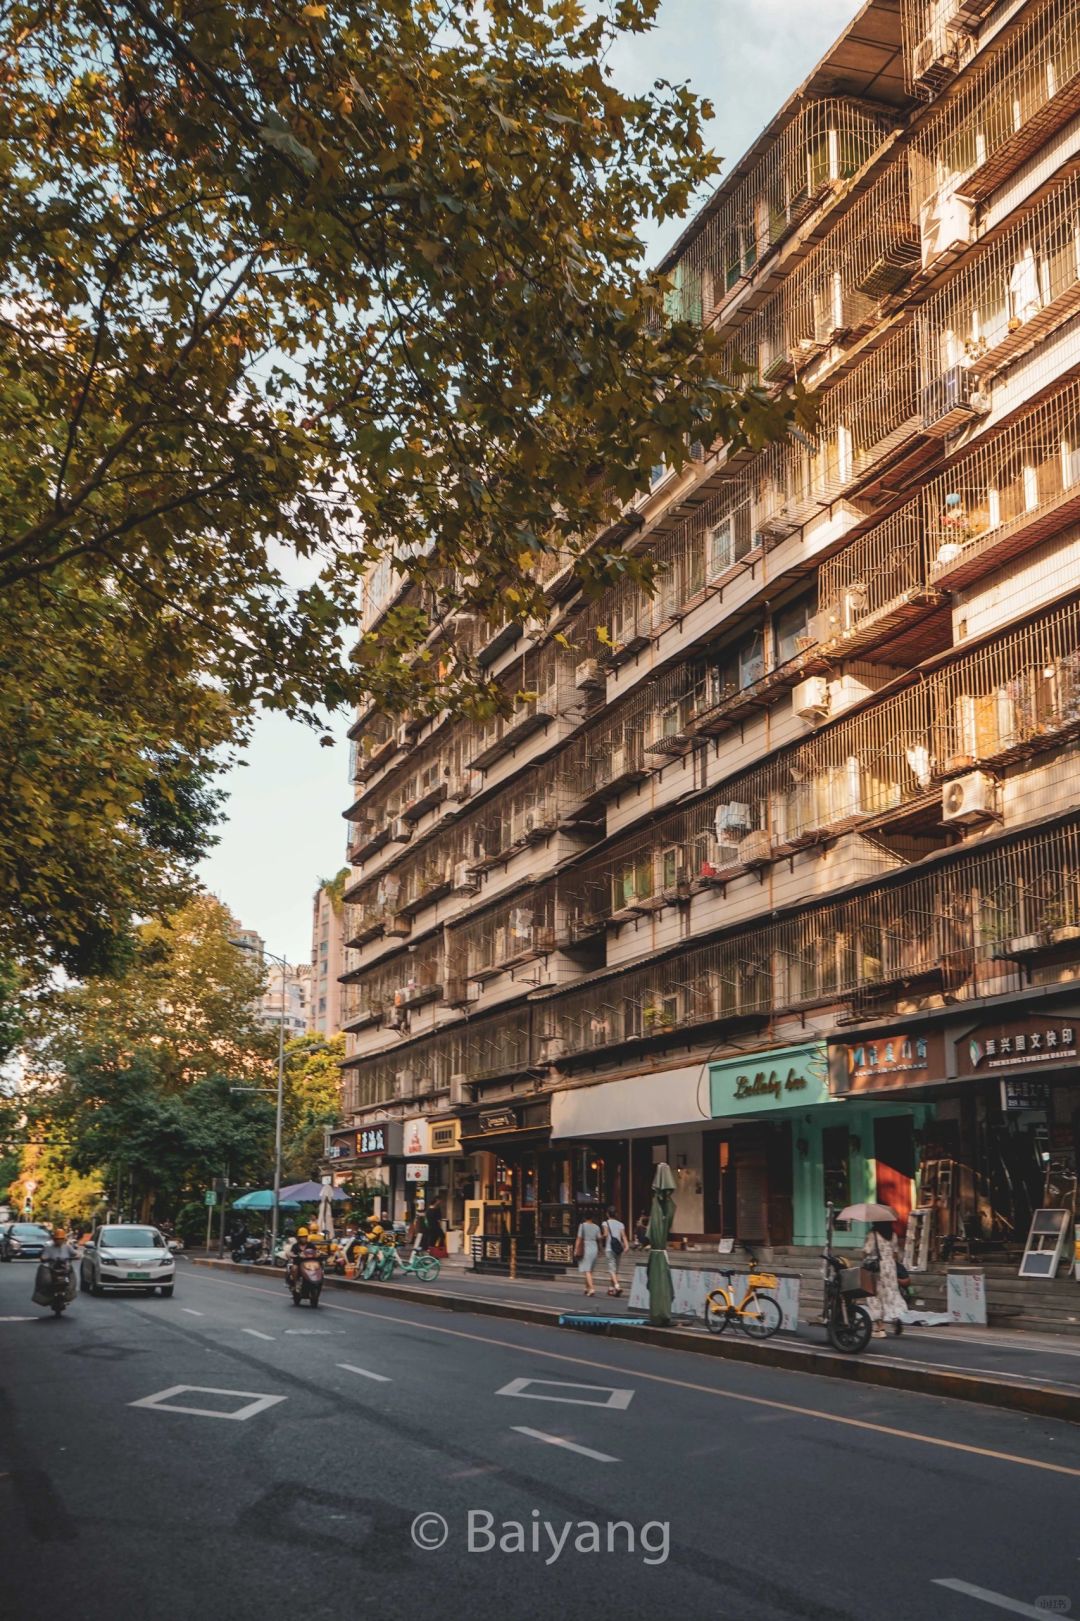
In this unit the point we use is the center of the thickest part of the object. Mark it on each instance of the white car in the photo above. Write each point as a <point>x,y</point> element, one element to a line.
<point>127,1257</point>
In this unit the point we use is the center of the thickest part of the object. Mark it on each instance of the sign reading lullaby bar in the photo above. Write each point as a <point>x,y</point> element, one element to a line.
<point>1046,1241</point>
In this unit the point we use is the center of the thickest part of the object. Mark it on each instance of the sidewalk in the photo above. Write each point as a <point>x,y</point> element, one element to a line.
<point>1031,1373</point>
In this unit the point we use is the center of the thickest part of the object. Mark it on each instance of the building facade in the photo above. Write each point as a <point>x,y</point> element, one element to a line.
<point>776,875</point>
<point>327,960</point>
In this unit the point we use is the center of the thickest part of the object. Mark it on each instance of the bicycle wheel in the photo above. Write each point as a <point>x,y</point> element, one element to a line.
<point>716,1313</point>
<point>370,1265</point>
<point>426,1268</point>
<point>762,1318</point>
<point>386,1266</point>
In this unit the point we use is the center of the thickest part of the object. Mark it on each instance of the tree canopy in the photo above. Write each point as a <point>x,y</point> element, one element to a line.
<point>286,289</point>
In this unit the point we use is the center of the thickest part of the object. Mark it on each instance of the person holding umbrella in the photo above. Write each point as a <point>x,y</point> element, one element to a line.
<point>886,1304</point>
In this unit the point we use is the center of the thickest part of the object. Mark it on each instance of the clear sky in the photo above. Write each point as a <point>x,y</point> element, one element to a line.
<point>284,829</point>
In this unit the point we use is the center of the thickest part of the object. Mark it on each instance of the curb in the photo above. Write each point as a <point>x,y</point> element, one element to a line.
<point>1042,1401</point>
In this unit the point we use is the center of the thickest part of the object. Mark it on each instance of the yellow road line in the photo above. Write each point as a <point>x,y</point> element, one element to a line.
<point>688,1384</point>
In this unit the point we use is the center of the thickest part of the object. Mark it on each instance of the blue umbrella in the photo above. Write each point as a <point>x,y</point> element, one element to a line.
<point>262,1199</point>
<point>309,1193</point>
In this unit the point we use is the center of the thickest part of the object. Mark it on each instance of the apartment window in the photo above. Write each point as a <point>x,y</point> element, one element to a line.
<point>790,630</point>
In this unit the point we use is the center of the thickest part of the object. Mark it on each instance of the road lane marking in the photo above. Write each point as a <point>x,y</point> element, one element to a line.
<point>997,1599</point>
<point>192,1313</point>
<point>615,1396</point>
<point>16,1319</point>
<point>707,1390</point>
<point>365,1373</point>
<point>256,1334</point>
<point>558,1441</point>
<point>160,1402</point>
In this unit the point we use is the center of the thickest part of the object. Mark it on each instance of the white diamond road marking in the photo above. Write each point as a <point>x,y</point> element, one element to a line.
<point>365,1373</point>
<point>998,1600</point>
<point>611,1395</point>
<point>558,1441</point>
<point>256,1334</point>
<point>255,1402</point>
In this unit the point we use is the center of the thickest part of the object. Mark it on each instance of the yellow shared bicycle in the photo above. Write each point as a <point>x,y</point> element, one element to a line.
<point>759,1316</point>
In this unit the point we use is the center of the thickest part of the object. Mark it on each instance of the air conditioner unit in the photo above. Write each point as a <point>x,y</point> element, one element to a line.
<point>945,222</point>
<point>810,699</point>
<point>853,605</point>
<point>403,737</point>
<point>933,64</point>
<point>618,763</point>
<point>970,799</point>
<point>400,830</point>
<point>397,1018</point>
<point>425,1086</point>
<point>404,1081</point>
<point>588,675</point>
<point>755,848</point>
<point>465,880</point>
<point>458,1090</point>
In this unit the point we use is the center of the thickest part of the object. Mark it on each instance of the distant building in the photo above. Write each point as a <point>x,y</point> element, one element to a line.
<point>327,960</point>
<point>297,989</point>
<point>297,1000</point>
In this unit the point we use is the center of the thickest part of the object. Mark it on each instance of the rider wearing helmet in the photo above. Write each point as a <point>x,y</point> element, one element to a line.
<point>294,1252</point>
<point>58,1249</point>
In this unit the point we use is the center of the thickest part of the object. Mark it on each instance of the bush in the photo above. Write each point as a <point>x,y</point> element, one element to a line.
<point>191,1223</point>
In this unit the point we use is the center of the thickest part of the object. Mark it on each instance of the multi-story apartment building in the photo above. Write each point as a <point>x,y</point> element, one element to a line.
<point>777,875</point>
<point>327,960</point>
<point>294,984</point>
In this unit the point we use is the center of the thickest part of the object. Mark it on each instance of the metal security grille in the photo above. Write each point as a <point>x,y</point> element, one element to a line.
<point>1004,111</point>
<point>931,932</point>
<point>824,145</point>
<point>483,1048</point>
<point>835,293</point>
<point>1011,295</point>
<point>507,935</point>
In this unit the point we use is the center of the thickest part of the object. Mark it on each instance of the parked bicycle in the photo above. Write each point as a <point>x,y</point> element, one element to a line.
<point>383,1260</point>
<point>759,1316</point>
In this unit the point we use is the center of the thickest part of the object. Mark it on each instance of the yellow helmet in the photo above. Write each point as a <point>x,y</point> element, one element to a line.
<point>301,1232</point>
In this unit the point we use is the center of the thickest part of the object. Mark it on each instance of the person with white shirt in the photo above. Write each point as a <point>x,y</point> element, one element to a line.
<point>614,1236</point>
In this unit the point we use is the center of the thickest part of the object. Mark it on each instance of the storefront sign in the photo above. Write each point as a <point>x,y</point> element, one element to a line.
<point>379,1141</point>
<point>499,1120</point>
<point>1017,1044</point>
<point>1024,1095</point>
<point>342,1147</point>
<point>417,1171</point>
<point>417,1138</point>
<point>785,1078</point>
<point>446,1137</point>
<point>887,1063</point>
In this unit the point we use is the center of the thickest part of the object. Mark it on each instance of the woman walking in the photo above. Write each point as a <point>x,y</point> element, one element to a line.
<point>879,1255</point>
<point>586,1248</point>
<point>615,1247</point>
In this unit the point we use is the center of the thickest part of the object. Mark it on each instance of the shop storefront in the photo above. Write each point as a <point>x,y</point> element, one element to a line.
<point>372,1157</point>
<point>438,1173</point>
<point>535,1188</point>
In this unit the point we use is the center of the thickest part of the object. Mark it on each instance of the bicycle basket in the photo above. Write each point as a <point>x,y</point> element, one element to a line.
<point>851,1282</point>
<point>763,1280</point>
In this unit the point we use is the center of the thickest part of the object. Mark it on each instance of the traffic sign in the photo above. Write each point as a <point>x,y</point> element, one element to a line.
<point>211,1197</point>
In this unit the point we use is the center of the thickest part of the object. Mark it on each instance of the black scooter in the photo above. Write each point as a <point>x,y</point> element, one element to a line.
<point>54,1285</point>
<point>848,1326</point>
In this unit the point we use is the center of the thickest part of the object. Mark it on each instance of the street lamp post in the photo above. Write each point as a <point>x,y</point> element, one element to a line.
<point>246,945</point>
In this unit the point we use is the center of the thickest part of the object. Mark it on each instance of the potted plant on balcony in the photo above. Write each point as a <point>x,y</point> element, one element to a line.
<point>658,1018</point>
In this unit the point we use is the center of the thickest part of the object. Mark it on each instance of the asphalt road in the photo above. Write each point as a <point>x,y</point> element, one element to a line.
<point>742,1492</point>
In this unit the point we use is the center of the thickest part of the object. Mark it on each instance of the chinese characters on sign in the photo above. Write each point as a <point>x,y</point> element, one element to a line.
<point>1032,1043</point>
<point>1024,1095</point>
<point>372,1140</point>
<point>887,1063</point>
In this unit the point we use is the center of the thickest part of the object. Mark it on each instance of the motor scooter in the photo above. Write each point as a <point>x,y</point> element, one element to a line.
<point>305,1278</point>
<point>54,1285</point>
<point>248,1249</point>
<point>848,1326</point>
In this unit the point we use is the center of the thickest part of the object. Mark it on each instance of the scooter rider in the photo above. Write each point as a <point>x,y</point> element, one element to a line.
<point>296,1249</point>
<point>56,1252</point>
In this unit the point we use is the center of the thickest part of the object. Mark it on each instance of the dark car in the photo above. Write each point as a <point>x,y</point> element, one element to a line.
<point>23,1239</point>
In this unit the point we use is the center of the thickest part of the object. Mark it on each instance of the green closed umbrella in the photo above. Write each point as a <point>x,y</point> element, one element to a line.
<point>662,1214</point>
